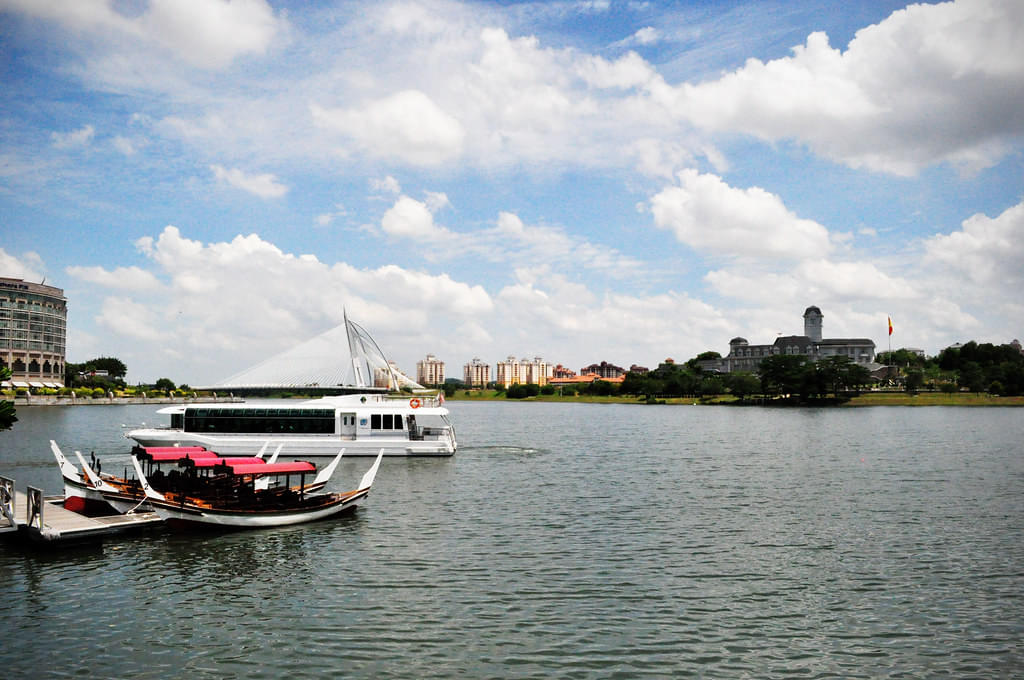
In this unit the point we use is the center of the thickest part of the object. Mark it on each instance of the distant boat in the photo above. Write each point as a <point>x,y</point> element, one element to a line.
<point>231,498</point>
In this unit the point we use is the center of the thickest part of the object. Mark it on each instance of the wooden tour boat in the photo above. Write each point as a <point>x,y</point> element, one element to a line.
<point>92,492</point>
<point>231,497</point>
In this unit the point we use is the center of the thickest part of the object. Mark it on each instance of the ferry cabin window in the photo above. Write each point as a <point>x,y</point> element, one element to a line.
<point>260,421</point>
<point>385,421</point>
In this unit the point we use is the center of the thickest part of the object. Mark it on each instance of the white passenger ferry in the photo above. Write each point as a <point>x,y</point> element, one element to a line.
<point>362,424</point>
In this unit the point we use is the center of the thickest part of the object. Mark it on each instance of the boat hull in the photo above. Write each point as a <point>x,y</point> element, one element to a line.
<point>84,499</point>
<point>186,514</point>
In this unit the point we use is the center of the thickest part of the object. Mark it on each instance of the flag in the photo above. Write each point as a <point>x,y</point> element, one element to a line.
<point>890,325</point>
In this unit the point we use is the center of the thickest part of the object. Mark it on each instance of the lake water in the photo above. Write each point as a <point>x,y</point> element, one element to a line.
<point>566,541</point>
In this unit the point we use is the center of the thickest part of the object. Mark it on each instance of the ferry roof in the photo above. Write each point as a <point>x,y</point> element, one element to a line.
<point>233,462</point>
<point>414,404</point>
<point>176,449</point>
<point>163,456</point>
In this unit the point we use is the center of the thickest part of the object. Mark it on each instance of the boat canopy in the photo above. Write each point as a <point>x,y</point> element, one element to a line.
<point>164,456</point>
<point>299,466</point>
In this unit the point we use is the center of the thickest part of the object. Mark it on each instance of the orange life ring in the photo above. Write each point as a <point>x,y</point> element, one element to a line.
<point>415,403</point>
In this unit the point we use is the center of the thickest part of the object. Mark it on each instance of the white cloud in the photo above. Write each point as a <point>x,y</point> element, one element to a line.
<point>988,251</point>
<point>76,138</point>
<point>124,145</point>
<point>264,186</point>
<point>130,319</point>
<point>388,185</point>
<point>128,278</point>
<point>929,84</point>
<point>211,33</point>
<point>820,280</point>
<point>203,33</point>
<point>618,328</point>
<point>511,241</point>
<point>27,266</point>
<point>407,125</point>
<point>268,300</point>
<point>647,35</point>
<point>626,73</point>
<point>409,218</point>
<point>326,219</point>
<point>709,215</point>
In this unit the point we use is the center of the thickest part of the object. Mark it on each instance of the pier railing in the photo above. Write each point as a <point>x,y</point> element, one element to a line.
<point>35,508</point>
<point>7,500</point>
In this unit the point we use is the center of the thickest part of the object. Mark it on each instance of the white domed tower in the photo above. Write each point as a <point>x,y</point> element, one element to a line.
<point>812,323</point>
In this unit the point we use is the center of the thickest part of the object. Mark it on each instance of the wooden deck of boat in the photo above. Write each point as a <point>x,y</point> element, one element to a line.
<point>60,525</point>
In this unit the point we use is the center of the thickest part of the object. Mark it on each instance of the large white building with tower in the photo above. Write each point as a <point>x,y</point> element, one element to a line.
<point>746,357</point>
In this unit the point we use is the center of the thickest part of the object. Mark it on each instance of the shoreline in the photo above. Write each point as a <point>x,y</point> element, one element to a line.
<point>864,399</point>
<point>116,401</point>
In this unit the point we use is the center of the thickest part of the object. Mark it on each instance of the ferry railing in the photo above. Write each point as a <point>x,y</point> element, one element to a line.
<point>428,400</point>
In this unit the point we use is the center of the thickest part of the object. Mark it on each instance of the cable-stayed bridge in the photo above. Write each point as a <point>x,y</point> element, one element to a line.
<point>323,364</point>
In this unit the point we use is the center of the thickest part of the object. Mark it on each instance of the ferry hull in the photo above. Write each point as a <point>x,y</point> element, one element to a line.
<point>294,447</point>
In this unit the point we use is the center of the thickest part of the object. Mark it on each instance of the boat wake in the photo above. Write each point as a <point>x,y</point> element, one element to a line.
<point>504,450</point>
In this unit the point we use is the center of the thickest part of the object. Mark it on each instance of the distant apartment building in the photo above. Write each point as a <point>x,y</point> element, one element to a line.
<point>561,371</point>
<point>603,370</point>
<point>635,368</point>
<point>33,332</point>
<point>476,373</point>
<point>522,372</point>
<point>430,371</point>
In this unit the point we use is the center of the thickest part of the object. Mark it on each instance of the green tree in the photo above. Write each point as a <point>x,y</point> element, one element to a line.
<point>783,374</point>
<point>522,391</point>
<point>914,381</point>
<point>971,376</point>
<point>164,384</point>
<point>7,412</point>
<point>601,388</point>
<point>114,367</point>
<point>703,356</point>
<point>741,384</point>
<point>712,385</point>
<point>636,383</point>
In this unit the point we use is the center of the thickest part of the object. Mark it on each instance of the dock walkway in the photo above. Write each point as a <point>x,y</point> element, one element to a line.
<point>45,520</point>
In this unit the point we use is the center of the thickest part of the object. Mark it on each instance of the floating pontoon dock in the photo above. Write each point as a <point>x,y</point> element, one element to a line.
<point>46,521</point>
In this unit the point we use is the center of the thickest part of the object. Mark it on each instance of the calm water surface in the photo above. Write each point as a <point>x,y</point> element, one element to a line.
<point>566,541</point>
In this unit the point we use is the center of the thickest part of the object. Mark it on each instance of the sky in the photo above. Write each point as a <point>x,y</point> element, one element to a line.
<point>213,182</point>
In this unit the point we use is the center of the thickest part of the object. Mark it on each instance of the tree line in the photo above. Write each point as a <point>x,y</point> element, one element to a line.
<point>975,367</point>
